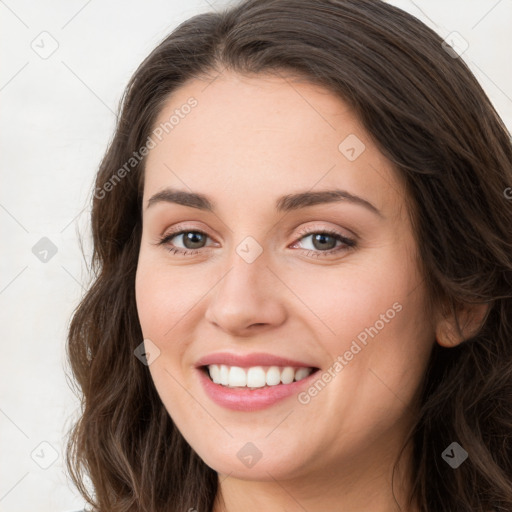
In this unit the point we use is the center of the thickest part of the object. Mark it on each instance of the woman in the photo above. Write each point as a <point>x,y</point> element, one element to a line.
<point>303,262</point>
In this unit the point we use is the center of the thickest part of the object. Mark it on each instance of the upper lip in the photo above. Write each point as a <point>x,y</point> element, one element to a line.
<point>248,360</point>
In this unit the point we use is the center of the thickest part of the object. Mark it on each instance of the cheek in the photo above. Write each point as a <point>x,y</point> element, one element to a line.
<point>169,301</point>
<point>343,303</point>
<point>374,318</point>
<point>386,347</point>
<point>149,297</point>
<point>162,316</point>
<point>164,297</point>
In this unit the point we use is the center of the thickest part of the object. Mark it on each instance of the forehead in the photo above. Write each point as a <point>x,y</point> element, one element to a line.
<point>263,135</point>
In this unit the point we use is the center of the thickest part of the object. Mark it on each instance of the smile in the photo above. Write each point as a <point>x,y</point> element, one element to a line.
<point>256,376</point>
<point>246,389</point>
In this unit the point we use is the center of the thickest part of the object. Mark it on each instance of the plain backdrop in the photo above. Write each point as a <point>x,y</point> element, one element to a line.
<point>64,67</point>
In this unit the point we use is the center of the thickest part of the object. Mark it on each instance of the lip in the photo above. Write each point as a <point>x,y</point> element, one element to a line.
<point>248,360</point>
<point>245,399</point>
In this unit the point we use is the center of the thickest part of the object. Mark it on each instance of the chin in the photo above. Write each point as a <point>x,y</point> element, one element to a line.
<point>247,462</point>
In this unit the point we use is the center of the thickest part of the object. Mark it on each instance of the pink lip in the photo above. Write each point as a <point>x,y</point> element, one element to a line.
<point>245,399</point>
<point>245,361</point>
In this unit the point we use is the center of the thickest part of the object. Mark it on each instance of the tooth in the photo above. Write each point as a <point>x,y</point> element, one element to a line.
<point>302,373</point>
<point>224,374</point>
<point>287,375</point>
<point>273,376</point>
<point>256,377</point>
<point>237,377</point>
<point>215,373</point>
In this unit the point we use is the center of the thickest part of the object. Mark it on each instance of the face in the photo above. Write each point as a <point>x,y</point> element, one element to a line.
<point>327,282</point>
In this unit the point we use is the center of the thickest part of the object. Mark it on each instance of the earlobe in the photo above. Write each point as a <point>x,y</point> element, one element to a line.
<point>471,320</point>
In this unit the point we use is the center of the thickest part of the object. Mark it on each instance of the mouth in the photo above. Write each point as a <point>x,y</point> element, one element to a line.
<point>253,388</point>
<point>255,377</point>
<point>252,381</point>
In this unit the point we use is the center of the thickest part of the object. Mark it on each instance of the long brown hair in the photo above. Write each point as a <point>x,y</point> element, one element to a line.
<point>429,116</point>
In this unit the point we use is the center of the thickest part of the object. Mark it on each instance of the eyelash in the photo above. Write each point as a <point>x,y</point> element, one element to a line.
<point>348,243</point>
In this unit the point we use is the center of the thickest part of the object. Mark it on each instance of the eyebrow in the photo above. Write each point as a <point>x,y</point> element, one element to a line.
<point>284,203</point>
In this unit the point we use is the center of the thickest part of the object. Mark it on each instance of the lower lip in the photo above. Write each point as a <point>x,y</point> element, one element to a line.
<point>245,399</point>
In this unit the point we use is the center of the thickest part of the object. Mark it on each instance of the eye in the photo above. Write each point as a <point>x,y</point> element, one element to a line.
<point>193,240</point>
<point>325,241</point>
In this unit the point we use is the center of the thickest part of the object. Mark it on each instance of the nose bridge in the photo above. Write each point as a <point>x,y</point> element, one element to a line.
<point>248,293</point>
<point>246,276</point>
<point>248,263</point>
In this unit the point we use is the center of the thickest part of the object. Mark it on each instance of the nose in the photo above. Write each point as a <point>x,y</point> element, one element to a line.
<point>248,299</point>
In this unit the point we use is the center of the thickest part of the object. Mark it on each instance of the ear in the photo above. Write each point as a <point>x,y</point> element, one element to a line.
<point>471,319</point>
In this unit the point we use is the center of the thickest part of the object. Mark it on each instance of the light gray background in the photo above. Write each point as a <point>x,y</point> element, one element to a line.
<point>57,118</point>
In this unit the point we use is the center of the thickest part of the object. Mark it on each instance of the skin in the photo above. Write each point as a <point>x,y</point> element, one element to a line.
<point>248,141</point>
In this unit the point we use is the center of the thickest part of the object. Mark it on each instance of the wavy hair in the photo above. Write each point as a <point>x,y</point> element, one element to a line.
<point>429,116</point>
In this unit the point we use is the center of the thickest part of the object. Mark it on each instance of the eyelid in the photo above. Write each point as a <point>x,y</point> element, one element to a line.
<point>309,229</point>
<point>184,226</point>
